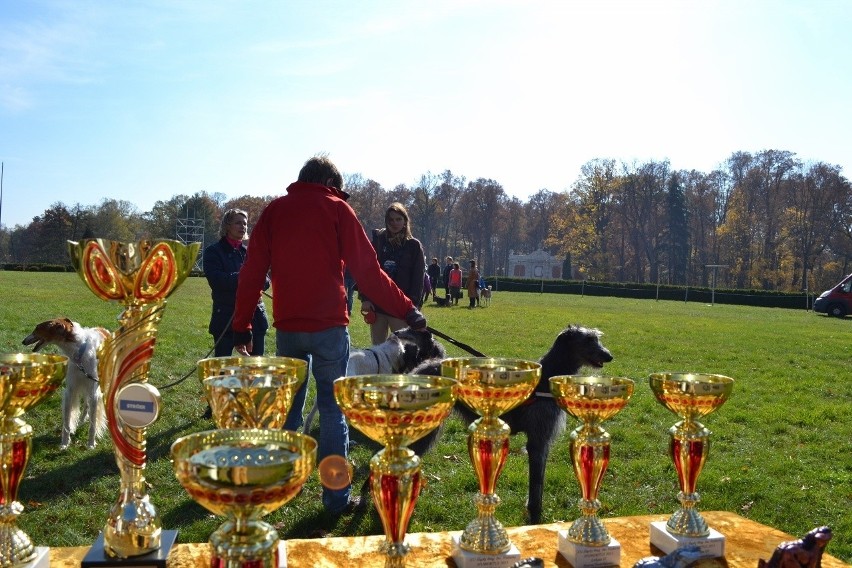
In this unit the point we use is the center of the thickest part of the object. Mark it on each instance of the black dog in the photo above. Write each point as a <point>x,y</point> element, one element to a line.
<point>539,417</point>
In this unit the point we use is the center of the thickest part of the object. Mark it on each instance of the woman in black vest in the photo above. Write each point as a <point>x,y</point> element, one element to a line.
<point>401,257</point>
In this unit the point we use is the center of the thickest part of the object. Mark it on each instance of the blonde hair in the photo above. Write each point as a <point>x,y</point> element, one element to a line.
<point>228,218</point>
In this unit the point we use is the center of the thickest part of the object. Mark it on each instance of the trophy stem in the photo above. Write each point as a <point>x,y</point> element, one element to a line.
<point>15,447</point>
<point>689,446</point>
<point>590,450</point>
<point>241,542</point>
<point>488,446</point>
<point>395,485</point>
<point>133,526</point>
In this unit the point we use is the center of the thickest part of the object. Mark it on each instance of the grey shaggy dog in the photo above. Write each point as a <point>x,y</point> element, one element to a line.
<point>539,418</point>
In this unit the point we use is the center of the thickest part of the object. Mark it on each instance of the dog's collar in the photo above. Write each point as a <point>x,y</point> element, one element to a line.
<point>78,358</point>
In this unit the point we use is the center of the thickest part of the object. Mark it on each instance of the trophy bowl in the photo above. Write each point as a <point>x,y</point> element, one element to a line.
<point>490,387</point>
<point>689,396</point>
<point>592,400</point>
<point>25,380</point>
<point>243,474</point>
<point>251,392</point>
<point>395,410</point>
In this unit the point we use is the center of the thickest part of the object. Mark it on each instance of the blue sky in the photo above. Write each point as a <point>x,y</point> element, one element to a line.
<point>144,100</point>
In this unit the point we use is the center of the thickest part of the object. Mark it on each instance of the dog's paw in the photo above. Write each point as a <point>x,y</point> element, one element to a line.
<point>63,447</point>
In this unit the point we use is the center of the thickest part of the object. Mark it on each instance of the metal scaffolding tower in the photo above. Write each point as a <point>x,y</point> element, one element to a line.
<point>191,230</point>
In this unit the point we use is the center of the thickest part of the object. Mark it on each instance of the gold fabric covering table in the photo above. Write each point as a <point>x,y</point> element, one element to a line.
<point>746,542</point>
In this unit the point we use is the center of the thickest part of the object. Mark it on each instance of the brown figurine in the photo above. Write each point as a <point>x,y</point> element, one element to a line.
<point>803,553</point>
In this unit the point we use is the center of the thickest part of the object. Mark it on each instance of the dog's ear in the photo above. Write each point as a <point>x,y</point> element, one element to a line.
<point>410,356</point>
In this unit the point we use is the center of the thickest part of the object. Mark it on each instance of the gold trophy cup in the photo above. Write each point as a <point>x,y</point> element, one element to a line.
<point>251,392</point>
<point>592,400</point>
<point>690,396</point>
<point>25,381</point>
<point>140,276</point>
<point>243,474</point>
<point>395,410</point>
<point>491,387</point>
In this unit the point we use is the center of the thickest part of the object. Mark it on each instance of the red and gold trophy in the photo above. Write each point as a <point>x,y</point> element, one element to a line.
<point>690,396</point>
<point>252,394</point>
<point>25,381</point>
<point>592,400</point>
<point>491,387</point>
<point>244,474</point>
<point>140,276</point>
<point>395,410</point>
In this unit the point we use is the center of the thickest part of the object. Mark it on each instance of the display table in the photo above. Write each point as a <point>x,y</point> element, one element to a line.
<point>747,542</point>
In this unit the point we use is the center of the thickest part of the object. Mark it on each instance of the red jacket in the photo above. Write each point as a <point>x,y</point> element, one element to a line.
<point>303,239</point>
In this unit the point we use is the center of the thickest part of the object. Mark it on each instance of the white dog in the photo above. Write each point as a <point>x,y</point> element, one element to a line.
<point>485,296</point>
<point>80,344</point>
<point>400,353</point>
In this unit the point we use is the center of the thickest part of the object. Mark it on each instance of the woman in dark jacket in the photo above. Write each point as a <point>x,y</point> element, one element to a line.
<point>222,262</point>
<point>401,256</point>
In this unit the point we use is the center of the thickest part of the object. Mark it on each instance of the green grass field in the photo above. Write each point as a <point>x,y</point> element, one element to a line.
<point>780,450</point>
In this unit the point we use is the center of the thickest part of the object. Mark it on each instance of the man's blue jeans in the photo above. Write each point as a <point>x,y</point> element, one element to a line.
<point>327,353</point>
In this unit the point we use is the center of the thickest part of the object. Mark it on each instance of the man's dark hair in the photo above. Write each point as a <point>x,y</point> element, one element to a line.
<point>320,169</point>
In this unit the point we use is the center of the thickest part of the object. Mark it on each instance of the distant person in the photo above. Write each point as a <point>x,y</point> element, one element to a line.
<point>304,239</point>
<point>455,282</point>
<point>401,257</point>
<point>448,266</point>
<point>434,273</point>
<point>427,289</point>
<point>473,285</point>
<point>222,262</point>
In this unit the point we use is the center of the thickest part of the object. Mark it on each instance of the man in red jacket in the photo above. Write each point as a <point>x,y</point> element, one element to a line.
<point>303,240</point>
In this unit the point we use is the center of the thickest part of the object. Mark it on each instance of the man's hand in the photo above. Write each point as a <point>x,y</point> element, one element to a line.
<point>242,342</point>
<point>415,319</point>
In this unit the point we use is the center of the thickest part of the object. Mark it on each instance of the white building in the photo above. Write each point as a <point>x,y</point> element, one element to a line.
<point>537,264</point>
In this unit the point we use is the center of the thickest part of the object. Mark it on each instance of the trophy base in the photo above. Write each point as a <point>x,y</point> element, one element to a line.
<point>466,559</point>
<point>97,557</point>
<point>581,556</point>
<point>711,546</point>
<point>40,560</point>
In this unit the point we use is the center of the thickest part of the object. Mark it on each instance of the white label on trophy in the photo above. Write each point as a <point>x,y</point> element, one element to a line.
<point>589,556</point>
<point>711,546</point>
<point>465,559</point>
<point>138,404</point>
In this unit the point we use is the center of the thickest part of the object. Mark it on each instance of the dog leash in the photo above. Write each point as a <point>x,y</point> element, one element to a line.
<point>456,342</point>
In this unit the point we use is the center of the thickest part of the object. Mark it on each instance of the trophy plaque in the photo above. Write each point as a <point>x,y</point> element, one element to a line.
<point>25,381</point>
<point>690,396</point>
<point>490,387</point>
<point>244,474</point>
<point>395,410</point>
<point>592,400</point>
<point>140,276</point>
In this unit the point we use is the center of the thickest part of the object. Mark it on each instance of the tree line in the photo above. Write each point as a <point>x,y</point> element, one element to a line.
<point>764,220</point>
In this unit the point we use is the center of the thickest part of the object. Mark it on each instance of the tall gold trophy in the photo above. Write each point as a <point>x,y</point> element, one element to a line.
<point>690,396</point>
<point>592,400</point>
<point>395,410</point>
<point>140,276</point>
<point>25,381</point>
<point>491,387</point>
